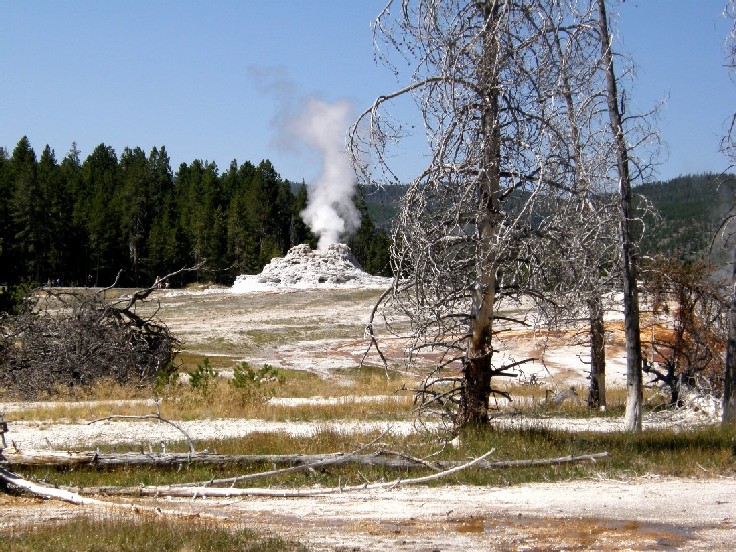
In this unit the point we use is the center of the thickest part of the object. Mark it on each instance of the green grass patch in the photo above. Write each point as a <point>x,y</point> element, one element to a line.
<point>701,453</point>
<point>371,375</point>
<point>113,534</point>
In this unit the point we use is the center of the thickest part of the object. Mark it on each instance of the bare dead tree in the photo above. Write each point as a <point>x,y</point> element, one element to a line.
<point>729,380</point>
<point>728,147</point>
<point>581,251</point>
<point>627,171</point>
<point>592,235</point>
<point>688,328</point>
<point>473,226</point>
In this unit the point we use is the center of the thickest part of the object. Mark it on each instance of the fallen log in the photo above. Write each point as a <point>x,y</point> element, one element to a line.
<point>44,491</point>
<point>197,491</point>
<point>77,497</point>
<point>65,495</point>
<point>29,458</point>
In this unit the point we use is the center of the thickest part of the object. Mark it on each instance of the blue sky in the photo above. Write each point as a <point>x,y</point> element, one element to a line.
<point>192,75</point>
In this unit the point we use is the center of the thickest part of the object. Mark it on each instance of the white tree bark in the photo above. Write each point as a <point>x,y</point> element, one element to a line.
<point>634,382</point>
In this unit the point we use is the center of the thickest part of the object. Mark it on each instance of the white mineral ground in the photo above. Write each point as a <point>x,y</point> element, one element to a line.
<point>313,304</point>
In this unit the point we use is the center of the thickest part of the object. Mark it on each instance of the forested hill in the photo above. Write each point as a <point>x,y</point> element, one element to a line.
<point>689,212</point>
<point>82,221</point>
<point>382,203</point>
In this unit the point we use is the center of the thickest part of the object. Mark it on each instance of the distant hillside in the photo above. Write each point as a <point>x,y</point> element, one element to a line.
<point>383,203</point>
<point>690,210</point>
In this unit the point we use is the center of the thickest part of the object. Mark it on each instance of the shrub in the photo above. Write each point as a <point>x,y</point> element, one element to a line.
<point>256,384</point>
<point>202,376</point>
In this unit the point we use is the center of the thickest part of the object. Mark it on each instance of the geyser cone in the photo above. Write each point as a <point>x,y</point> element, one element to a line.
<point>305,268</point>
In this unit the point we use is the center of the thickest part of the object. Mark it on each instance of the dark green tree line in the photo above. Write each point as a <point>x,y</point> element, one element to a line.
<point>80,222</point>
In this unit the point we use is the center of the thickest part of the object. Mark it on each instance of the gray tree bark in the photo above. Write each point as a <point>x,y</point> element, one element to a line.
<point>597,390</point>
<point>634,382</point>
<point>477,370</point>
<point>728,146</point>
<point>729,384</point>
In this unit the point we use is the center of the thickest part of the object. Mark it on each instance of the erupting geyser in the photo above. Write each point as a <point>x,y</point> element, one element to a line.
<point>330,212</point>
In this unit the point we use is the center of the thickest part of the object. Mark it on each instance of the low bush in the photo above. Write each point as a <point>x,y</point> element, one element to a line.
<point>203,376</point>
<point>256,385</point>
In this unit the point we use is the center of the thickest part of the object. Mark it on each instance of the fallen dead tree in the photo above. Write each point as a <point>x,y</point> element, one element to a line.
<point>17,457</point>
<point>215,487</point>
<point>197,491</point>
<point>46,492</point>
<point>28,458</point>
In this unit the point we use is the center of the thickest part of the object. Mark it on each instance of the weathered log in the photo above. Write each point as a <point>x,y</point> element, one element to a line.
<point>72,497</point>
<point>27,458</point>
<point>44,491</point>
<point>200,491</point>
<point>91,458</point>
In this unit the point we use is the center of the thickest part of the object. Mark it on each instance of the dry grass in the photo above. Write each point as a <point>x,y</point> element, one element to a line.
<point>369,394</point>
<point>220,399</point>
<point>111,534</point>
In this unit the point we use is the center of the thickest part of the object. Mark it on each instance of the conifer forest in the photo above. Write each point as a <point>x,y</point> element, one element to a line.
<point>86,222</point>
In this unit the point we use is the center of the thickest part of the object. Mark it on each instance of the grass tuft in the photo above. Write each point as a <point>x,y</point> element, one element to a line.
<point>112,534</point>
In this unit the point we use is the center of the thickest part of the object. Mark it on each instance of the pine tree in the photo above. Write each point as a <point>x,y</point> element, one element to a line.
<point>164,241</point>
<point>283,214</point>
<point>201,214</point>
<point>76,257</point>
<point>5,223</point>
<point>299,232</point>
<point>26,211</point>
<point>55,215</point>
<point>100,181</point>
<point>135,210</point>
<point>242,247</point>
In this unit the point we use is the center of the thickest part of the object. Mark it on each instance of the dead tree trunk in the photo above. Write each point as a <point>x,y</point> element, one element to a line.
<point>634,382</point>
<point>478,369</point>
<point>597,391</point>
<point>582,186</point>
<point>382,459</point>
<point>729,384</point>
<point>728,147</point>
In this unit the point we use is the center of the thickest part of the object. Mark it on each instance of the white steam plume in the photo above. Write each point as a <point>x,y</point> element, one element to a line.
<point>330,212</point>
